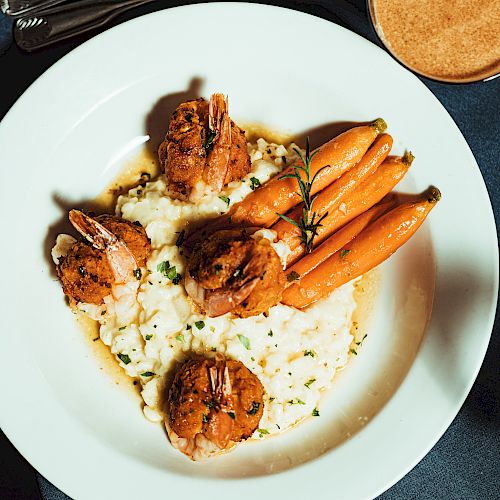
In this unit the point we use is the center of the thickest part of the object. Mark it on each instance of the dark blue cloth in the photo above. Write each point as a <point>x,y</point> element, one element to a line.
<point>464,464</point>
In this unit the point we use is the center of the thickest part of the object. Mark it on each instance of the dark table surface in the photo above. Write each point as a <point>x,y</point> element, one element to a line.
<point>464,464</point>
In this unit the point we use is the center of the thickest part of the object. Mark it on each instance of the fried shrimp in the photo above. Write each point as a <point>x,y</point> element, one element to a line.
<point>212,405</point>
<point>113,252</point>
<point>203,149</point>
<point>232,271</point>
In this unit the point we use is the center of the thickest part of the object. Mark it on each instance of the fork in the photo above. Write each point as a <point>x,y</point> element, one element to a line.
<point>64,21</point>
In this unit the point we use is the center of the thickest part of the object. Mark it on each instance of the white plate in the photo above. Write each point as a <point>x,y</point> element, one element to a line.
<point>67,137</point>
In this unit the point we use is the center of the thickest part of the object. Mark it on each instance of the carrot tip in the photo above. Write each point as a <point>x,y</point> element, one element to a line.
<point>408,158</point>
<point>379,125</point>
<point>433,194</point>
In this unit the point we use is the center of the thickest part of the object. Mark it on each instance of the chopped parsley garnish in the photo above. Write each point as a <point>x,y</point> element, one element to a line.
<point>254,409</point>
<point>353,351</point>
<point>121,328</point>
<point>225,199</point>
<point>360,343</point>
<point>254,183</point>
<point>344,252</point>
<point>204,418</point>
<point>169,272</point>
<point>188,327</point>
<point>310,382</point>
<point>231,414</point>
<point>245,341</point>
<point>180,239</point>
<point>296,401</point>
<point>212,329</point>
<point>95,340</point>
<point>270,333</point>
<point>149,337</point>
<point>315,412</point>
<point>199,324</point>
<point>210,140</point>
<point>292,276</point>
<point>147,374</point>
<point>262,432</point>
<point>309,353</point>
<point>218,269</point>
<point>137,274</point>
<point>124,358</point>
<point>180,338</point>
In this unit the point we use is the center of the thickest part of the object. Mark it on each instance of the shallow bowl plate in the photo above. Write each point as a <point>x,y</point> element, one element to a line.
<point>68,136</point>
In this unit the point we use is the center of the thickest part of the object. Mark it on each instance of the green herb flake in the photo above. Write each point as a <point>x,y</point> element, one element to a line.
<point>254,183</point>
<point>209,141</point>
<point>199,324</point>
<point>124,358</point>
<point>169,272</point>
<point>95,340</point>
<point>315,412</point>
<point>204,418</point>
<point>262,432</point>
<point>360,343</point>
<point>180,338</point>
<point>344,252</point>
<point>310,382</point>
<point>245,341</point>
<point>296,401</point>
<point>255,408</point>
<point>121,328</point>
<point>147,374</point>
<point>270,333</point>
<point>149,336</point>
<point>292,276</point>
<point>310,353</point>
<point>225,199</point>
<point>232,415</point>
<point>188,327</point>
<point>180,239</point>
<point>218,269</point>
<point>137,274</point>
<point>353,351</point>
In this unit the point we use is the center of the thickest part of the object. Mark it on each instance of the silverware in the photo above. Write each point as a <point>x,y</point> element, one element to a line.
<point>64,21</point>
<point>17,8</point>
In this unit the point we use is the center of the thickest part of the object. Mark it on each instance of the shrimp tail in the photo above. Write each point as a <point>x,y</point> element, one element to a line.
<point>120,258</point>
<point>218,157</point>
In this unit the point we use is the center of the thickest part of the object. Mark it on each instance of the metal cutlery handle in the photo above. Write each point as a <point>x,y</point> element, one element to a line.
<point>18,8</point>
<point>58,23</point>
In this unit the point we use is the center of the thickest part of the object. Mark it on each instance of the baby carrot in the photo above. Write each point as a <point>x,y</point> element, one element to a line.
<point>260,208</point>
<point>332,196</point>
<point>366,194</point>
<point>371,247</point>
<point>339,239</point>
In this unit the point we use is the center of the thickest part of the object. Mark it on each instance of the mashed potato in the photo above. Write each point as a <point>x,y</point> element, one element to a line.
<point>295,354</point>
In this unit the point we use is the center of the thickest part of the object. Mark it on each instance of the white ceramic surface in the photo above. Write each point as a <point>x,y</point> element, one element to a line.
<point>68,136</point>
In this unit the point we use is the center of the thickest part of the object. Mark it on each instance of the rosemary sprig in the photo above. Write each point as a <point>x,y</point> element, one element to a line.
<point>310,221</point>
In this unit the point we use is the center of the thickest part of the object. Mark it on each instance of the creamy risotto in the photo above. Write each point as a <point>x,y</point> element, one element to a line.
<point>151,325</point>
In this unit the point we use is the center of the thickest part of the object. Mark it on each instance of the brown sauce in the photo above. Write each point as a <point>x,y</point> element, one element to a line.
<point>449,40</point>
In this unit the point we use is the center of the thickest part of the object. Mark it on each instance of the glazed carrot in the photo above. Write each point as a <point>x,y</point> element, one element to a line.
<point>371,247</point>
<point>338,240</point>
<point>366,194</point>
<point>260,207</point>
<point>332,196</point>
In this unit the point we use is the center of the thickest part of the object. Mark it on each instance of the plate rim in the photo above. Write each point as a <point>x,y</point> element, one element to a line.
<point>47,74</point>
